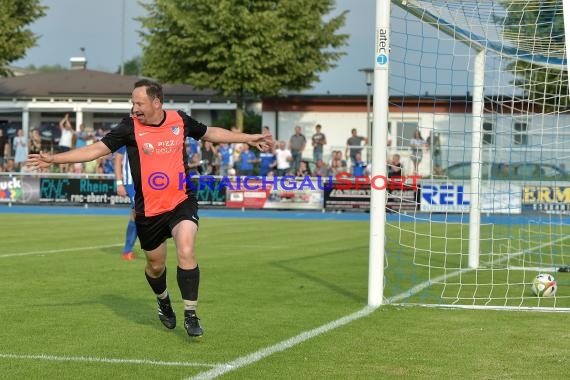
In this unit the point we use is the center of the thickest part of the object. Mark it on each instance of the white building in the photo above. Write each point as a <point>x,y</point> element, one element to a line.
<point>93,98</point>
<point>513,130</point>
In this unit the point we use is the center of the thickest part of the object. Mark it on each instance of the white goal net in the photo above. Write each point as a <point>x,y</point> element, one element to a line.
<point>479,108</point>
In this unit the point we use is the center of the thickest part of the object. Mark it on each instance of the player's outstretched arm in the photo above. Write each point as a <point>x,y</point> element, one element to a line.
<point>263,142</point>
<point>83,154</point>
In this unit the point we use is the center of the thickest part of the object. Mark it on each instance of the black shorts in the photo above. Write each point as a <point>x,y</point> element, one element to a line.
<point>154,230</point>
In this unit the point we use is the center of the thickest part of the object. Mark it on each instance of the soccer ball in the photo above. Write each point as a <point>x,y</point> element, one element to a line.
<point>544,285</point>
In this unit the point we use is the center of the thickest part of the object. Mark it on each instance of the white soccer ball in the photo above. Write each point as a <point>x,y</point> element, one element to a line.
<point>544,285</point>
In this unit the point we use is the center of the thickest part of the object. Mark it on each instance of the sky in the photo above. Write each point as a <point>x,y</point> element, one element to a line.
<point>96,26</point>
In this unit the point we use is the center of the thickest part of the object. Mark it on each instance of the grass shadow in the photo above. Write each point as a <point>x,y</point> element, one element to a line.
<point>143,312</point>
<point>130,308</point>
<point>290,265</point>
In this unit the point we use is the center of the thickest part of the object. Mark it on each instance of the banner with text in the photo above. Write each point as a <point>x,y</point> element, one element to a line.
<point>80,190</point>
<point>547,199</point>
<point>496,198</point>
<point>266,195</point>
<point>18,189</point>
<point>400,197</point>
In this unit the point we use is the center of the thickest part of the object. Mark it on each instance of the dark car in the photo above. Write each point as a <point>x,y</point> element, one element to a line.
<point>509,171</point>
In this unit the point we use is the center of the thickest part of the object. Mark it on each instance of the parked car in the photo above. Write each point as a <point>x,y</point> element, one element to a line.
<point>509,171</point>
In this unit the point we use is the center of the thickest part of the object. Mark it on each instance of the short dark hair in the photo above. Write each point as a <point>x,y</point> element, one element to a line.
<point>153,89</point>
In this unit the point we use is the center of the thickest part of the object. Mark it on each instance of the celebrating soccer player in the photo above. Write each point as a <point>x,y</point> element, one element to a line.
<point>154,139</point>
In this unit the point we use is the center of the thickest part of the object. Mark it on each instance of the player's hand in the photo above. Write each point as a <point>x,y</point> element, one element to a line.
<point>121,190</point>
<point>39,161</point>
<point>262,142</point>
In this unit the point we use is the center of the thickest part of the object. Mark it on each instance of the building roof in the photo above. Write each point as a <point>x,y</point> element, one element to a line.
<point>90,84</point>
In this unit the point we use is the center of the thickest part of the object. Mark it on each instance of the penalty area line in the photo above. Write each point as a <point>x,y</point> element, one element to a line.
<point>90,359</point>
<point>281,346</point>
<point>62,250</point>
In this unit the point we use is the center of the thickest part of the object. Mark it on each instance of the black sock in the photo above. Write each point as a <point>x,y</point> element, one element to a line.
<point>188,282</point>
<point>158,284</point>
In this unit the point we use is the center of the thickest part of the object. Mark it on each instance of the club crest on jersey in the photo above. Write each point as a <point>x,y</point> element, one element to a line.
<point>148,149</point>
<point>176,130</point>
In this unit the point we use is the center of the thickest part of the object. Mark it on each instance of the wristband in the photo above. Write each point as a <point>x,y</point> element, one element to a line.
<point>119,182</point>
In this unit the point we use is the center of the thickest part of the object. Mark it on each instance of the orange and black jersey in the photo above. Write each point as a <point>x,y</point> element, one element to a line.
<point>158,159</point>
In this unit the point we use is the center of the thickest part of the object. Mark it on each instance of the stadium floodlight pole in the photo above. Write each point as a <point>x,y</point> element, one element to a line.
<point>123,38</point>
<point>368,71</point>
<point>379,143</point>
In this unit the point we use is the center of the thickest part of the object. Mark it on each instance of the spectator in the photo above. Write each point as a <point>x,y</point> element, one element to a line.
<point>209,157</point>
<point>358,165</point>
<point>417,144</point>
<point>354,146</point>
<point>434,145</point>
<point>78,168</point>
<point>322,170</point>
<point>105,165</point>
<point>194,163</point>
<point>193,147</point>
<point>338,164</point>
<point>66,139</point>
<point>267,162</point>
<point>283,157</point>
<point>20,149</point>
<point>35,142</point>
<point>247,160</point>
<point>101,132</point>
<point>297,144</point>
<point>82,136</point>
<point>9,166</point>
<point>225,155</point>
<point>336,167</point>
<point>395,167</point>
<point>304,169</point>
<point>319,141</point>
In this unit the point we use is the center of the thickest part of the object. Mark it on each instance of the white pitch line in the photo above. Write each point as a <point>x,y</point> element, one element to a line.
<point>45,252</point>
<point>281,346</point>
<point>534,269</point>
<point>89,359</point>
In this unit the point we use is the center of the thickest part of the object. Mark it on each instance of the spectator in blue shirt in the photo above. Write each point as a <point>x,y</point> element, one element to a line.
<point>358,165</point>
<point>246,161</point>
<point>82,136</point>
<point>267,163</point>
<point>193,147</point>
<point>225,155</point>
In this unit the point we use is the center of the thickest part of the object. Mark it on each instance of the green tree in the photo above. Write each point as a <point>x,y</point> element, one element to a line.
<point>541,23</point>
<point>241,48</point>
<point>46,68</point>
<point>251,121</point>
<point>15,39</point>
<point>132,66</point>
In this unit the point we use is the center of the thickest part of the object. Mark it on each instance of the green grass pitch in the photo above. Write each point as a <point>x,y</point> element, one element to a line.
<point>72,309</point>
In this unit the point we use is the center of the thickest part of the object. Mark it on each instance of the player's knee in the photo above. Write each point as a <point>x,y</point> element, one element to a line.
<point>155,268</point>
<point>186,252</point>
